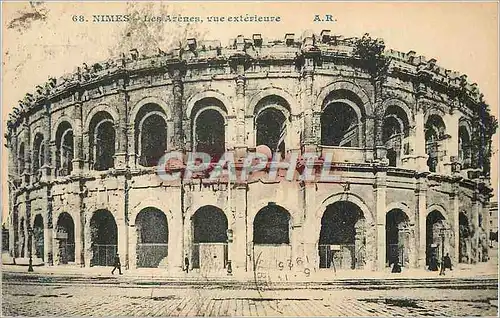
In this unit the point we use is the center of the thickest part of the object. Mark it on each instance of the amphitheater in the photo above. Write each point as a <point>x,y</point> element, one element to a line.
<point>410,144</point>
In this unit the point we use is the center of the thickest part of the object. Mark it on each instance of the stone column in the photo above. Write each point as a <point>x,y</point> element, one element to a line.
<point>454,203</point>
<point>310,229</point>
<point>369,138</point>
<point>418,141</point>
<point>132,246</point>
<point>476,209</point>
<point>420,220</point>
<point>239,245</point>
<point>380,150</point>
<point>27,153</point>
<point>121,129</point>
<point>381,210</point>
<point>307,106</point>
<point>77,140</point>
<point>47,155</point>
<point>240,142</point>
<point>176,74</point>
<point>87,239</point>
<point>451,144</point>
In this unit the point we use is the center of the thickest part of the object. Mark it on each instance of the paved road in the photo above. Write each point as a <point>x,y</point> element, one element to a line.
<point>80,299</point>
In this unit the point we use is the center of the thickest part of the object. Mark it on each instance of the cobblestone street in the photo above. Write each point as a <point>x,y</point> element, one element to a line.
<point>91,299</point>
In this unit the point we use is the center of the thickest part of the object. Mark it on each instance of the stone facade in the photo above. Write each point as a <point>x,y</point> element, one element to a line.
<point>410,142</point>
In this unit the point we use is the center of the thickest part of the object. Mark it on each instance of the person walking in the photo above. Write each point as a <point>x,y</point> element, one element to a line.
<point>186,264</point>
<point>447,262</point>
<point>117,265</point>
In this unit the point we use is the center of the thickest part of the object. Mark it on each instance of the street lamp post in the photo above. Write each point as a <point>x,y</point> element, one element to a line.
<point>30,247</point>
<point>442,235</point>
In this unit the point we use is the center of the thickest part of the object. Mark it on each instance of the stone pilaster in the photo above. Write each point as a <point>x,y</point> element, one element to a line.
<point>132,246</point>
<point>380,210</point>
<point>47,155</point>
<point>307,101</point>
<point>240,142</point>
<point>176,74</point>
<point>476,209</point>
<point>420,220</point>
<point>27,153</point>
<point>454,204</point>
<point>418,141</point>
<point>451,144</point>
<point>311,257</point>
<point>77,162</point>
<point>239,228</point>
<point>121,129</point>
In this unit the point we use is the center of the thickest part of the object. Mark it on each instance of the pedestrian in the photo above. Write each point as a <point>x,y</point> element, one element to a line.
<point>397,267</point>
<point>117,265</point>
<point>433,263</point>
<point>186,263</point>
<point>447,262</point>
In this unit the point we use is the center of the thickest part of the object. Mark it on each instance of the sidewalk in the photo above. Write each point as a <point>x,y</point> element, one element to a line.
<point>463,271</point>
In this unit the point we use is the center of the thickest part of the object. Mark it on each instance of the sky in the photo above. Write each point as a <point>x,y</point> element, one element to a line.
<point>42,40</point>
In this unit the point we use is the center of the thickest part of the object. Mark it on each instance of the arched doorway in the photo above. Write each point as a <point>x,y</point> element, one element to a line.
<point>464,240</point>
<point>271,238</point>
<point>436,233</point>
<point>65,239</point>
<point>104,238</point>
<point>210,253</point>
<point>397,237</point>
<point>152,238</point>
<point>339,126</point>
<point>64,149</point>
<point>342,243</point>
<point>102,141</point>
<point>434,134</point>
<point>38,237</point>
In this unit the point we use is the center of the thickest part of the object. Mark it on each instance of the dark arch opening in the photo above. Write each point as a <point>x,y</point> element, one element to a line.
<point>435,221</point>
<point>152,237</point>
<point>271,226</point>
<point>38,238</point>
<point>38,156</point>
<point>464,238</point>
<point>64,149</point>
<point>464,148</point>
<point>210,134</point>
<point>21,159</point>
<point>397,237</point>
<point>22,235</point>
<point>150,134</point>
<point>339,126</point>
<point>342,237</point>
<point>434,133</point>
<point>102,141</point>
<point>271,130</point>
<point>210,238</point>
<point>104,238</point>
<point>65,237</point>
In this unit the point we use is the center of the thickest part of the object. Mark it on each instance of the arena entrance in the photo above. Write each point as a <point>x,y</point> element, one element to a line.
<point>436,230</point>
<point>104,238</point>
<point>65,239</point>
<point>38,236</point>
<point>342,243</point>
<point>464,243</point>
<point>397,236</point>
<point>271,238</point>
<point>210,252</point>
<point>152,238</point>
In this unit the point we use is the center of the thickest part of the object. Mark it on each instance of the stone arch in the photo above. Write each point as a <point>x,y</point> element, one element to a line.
<point>194,99</point>
<point>350,197</point>
<point>102,140</point>
<point>103,237</point>
<point>347,86</point>
<point>150,202</point>
<point>150,100</point>
<point>436,223</point>
<point>210,132</point>
<point>151,134</point>
<point>272,225</point>
<point>38,236</point>
<point>58,122</point>
<point>111,110</point>
<point>436,207</point>
<point>272,91</point>
<point>152,237</point>
<point>65,235</point>
<point>393,101</point>
<point>65,148</point>
<point>255,207</point>
<point>398,237</point>
<point>403,207</point>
